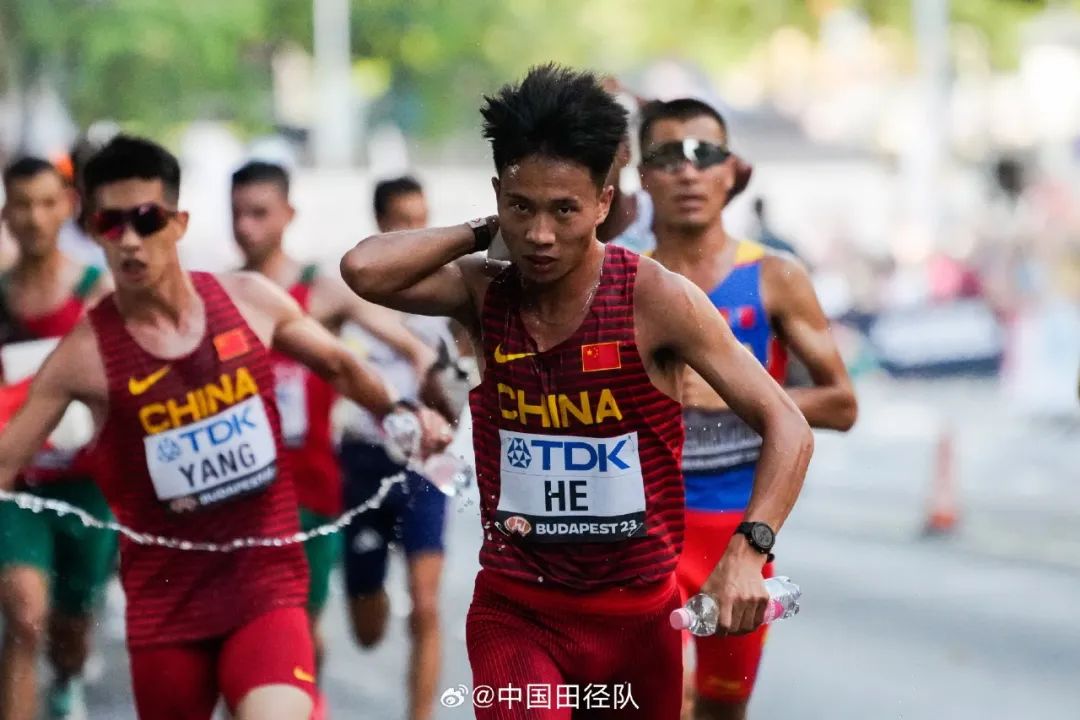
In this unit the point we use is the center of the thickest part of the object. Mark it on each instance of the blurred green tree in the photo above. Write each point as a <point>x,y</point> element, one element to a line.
<point>155,63</point>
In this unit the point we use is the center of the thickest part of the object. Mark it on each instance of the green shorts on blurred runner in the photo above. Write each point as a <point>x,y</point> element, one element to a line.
<point>77,560</point>
<point>323,552</point>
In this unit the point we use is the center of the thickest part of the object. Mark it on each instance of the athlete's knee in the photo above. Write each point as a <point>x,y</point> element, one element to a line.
<point>424,619</point>
<point>25,628</point>
<point>369,616</point>
<point>707,709</point>
<point>25,612</point>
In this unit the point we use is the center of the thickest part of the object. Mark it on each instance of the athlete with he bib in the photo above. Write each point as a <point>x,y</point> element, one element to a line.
<point>176,369</point>
<point>577,427</point>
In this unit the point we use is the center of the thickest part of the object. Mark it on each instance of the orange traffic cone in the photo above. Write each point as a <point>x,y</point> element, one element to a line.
<point>943,513</point>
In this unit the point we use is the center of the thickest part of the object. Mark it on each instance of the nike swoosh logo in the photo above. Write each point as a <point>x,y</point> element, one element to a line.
<point>501,358</point>
<point>138,387</point>
<point>299,674</point>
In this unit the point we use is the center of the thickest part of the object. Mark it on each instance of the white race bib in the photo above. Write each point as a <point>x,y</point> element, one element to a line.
<point>228,454</point>
<point>566,488</point>
<point>290,390</point>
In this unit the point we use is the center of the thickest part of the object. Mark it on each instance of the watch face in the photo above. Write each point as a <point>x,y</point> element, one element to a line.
<point>762,536</point>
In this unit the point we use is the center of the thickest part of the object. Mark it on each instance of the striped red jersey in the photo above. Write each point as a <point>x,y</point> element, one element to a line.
<point>190,450</point>
<point>577,452</point>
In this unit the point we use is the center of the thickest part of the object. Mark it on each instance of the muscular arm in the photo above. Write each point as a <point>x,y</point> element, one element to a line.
<point>802,326</point>
<point>680,317</point>
<point>381,322</point>
<point>283,326</point>
<point>427,272</point>
<point>388,326</point>
<point>674,316</point>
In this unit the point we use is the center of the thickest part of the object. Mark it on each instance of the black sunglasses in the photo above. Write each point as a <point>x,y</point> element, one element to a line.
<point>145,220</point>
<point>670,156</point>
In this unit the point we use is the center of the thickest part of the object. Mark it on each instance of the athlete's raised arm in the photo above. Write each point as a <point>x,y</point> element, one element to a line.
<point>65,376</point>
<point>675,316</point>
<point>280,323</point>
<point>803,327</point>
<point>434,271</point>
<point>387,325</point>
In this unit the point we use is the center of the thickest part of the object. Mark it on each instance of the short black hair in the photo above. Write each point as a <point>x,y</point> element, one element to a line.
<point>25,168</point>
<point>126,157</point>
<point>387,190</point>
<point>556,112</point>
<point>258,171</point>
<point>678,109</point>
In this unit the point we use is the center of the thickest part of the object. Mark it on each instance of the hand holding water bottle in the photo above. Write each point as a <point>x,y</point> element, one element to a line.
<point>735,584</point>
<point>700,614</point>
<point>417,439</point>
<point>414,433</point>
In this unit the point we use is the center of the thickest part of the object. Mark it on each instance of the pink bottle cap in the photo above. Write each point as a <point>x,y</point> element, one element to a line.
<point>681,619</point>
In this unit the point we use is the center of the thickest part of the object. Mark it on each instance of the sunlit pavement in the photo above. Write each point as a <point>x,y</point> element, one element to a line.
<point>981,624</point>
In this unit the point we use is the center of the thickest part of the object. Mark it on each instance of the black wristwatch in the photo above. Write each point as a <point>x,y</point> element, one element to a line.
<point>760,536</point>
<point>482,232</point>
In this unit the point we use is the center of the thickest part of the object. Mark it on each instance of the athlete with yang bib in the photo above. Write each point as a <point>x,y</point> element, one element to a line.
<point>176,370</point>
<point>577,424</point>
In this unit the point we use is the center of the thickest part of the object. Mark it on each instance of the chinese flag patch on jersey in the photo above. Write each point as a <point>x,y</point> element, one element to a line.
<point>231,344</point>
<point>600,356</point>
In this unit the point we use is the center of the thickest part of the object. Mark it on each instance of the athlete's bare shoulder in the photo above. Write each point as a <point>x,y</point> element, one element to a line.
<point>252,288</point>
<point>784,280</point>
<point>261,302</point>
<point>663,302</point>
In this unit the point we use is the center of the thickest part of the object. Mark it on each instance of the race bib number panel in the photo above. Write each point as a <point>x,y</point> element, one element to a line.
<point>718,441</point>
<point>228,454</point>
<point>290,390</point>
<point>565,488</point>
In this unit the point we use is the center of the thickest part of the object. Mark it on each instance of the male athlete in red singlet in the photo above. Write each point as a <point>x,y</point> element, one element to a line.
<point>577,426</point>
<point>261,213</point>
<point>768,299</point>
<point>176,368</point>
<point>52,569</point>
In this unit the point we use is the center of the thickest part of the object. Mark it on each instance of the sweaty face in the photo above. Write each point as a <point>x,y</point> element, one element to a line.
<point>684,196</point>
<point>36,209</point>
<point>138,262</point>
<point>260,213</point>
<point>407,211</point>
<point>548,212</point>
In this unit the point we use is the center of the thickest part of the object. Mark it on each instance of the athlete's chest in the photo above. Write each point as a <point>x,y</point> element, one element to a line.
<point>207,425</point>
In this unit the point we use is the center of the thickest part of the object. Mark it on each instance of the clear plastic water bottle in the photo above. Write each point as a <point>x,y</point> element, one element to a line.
<point>448,472</point>
<point>701,613</point>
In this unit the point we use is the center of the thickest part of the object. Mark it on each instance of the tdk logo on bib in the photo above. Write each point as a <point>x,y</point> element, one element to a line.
<point>228,427</point>
<point>518,453</point>
<point>568,455</point>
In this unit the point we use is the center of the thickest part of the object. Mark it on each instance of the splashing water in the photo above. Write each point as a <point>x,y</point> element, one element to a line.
<point>36,504</point>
